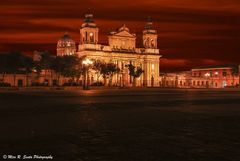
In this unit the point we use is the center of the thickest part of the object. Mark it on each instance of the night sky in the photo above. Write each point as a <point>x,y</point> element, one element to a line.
<point>191,32</point>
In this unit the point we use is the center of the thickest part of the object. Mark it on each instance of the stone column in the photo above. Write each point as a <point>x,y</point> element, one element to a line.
<point>145,74</point>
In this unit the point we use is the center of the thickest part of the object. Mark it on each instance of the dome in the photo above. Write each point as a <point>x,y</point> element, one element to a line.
<point>65,41</point>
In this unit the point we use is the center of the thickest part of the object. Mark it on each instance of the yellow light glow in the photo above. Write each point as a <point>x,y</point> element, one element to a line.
<point>153,67</point>
<point>87,62</point>
<point>207,74</point>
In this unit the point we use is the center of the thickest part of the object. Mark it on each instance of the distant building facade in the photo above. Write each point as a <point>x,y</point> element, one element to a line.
<point>176,80</point>
<point>19,80</point>
<point>214,76</point>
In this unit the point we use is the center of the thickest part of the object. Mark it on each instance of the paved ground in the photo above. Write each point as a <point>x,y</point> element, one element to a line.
<point>122,125</point>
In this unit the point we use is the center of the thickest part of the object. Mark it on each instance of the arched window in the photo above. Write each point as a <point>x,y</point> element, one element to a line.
<point>152,43</point>
<point>198,83</point>
<point>91,37</point>
<point>147,43</point>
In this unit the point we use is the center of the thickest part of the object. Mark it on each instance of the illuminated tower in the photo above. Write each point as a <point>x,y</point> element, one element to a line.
<point>89,31</point>
<point>149,35</point>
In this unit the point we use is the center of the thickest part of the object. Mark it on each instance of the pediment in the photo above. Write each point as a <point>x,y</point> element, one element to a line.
<point>124,34</point>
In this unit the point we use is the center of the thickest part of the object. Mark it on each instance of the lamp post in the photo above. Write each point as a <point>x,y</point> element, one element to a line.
<point>86,63</point>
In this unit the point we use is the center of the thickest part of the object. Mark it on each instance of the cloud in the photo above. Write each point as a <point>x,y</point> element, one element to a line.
<point>189,30</point>
<point>170,65</point>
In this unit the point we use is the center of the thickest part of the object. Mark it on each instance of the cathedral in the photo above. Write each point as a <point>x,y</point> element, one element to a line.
<point>121,50</point>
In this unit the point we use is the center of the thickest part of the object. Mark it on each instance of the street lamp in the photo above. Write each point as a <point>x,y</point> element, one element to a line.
<point>86,63</point>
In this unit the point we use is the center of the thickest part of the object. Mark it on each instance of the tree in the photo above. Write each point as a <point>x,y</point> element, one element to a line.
<point>72,67</point>
<point>134,72</point>
<point>108,70</point>
<point>28,65</point>
<point>14,64</point>
<point>58,67</point>
<point>45,64</point>
<point>68,66</point>
<point>97,67</point>
<point>38,68</point>
<point>3,65</point>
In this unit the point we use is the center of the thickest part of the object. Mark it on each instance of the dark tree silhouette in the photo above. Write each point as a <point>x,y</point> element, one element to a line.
<point>68,66</point>
<point>97,67</point>
<point>28,65</point>
<point>108,70</point>
<point>3,65</point>
<point>134,72</point>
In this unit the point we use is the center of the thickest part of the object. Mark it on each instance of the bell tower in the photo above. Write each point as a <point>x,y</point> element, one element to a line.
<point>149,35</point>
<point>89,31</point>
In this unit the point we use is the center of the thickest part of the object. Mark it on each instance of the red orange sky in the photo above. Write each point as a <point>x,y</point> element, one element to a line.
<point>191,32</point>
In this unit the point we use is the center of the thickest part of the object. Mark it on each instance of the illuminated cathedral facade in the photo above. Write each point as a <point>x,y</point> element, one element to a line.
<point>121,50</point>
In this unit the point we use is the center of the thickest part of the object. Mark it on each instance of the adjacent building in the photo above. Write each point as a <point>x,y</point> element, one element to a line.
<point>215,76</point>
<point>211,76</point>
<point>176,80</point>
